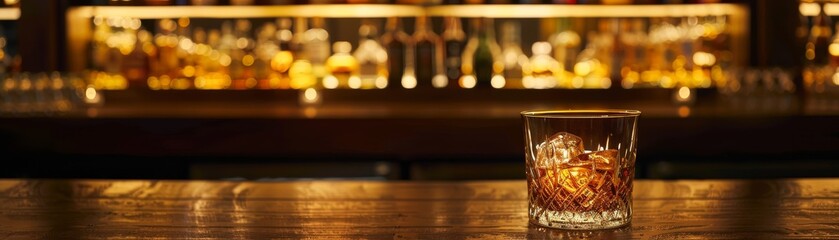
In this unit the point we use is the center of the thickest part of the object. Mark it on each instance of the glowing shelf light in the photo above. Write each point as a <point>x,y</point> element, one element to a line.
<point>9,13</point>
<point>544,11</point>
<point>311,10</point>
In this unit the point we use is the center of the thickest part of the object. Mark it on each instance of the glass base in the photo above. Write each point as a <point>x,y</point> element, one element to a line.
<point>591,220</point>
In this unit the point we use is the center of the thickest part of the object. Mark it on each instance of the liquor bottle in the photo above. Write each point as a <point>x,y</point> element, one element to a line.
<point>566,43</point>
<point>284,34</point>
<point>200,51</point>
<point>4,58</point>
<point>300,73</point>
<point>427,45</point>
<point>481,56</point>
<point>632,40</point>
<point>655,57</point>
<point>298,38</point>
<point>543,68</point>
<point>603,42</point>
<point>396,42</point>
<point>591,67</point>
<point>802,30</point>
<point>515,62</point>
<point>372,58</point>
<point>167,45</point>
<point>226,46</point>
<point>185,72</point>
<point>282,60</point>
<point>135,68</point>
<point>454,39</point>
<point>819,39</point>
<point>215,72</point>
<point>671,47</point>
<point>317,47</point>
<point>342,68</point>
<point>266,48</point>
<point>833,49</point>
<point>99,48</point>
<point>241,67</point>
<point>199,55</point>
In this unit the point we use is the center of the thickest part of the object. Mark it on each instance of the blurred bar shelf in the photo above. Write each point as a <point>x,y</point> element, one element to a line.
<point>9,13</point>
<point>546,10</point>
<point>389,10</point>
<point>312,10</point>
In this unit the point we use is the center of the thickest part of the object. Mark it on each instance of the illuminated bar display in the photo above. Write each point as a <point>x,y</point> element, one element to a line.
<point>409,89</point>
<point>586,46</point>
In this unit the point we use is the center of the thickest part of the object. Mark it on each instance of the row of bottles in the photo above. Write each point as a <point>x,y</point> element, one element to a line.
<point>420,2</point>
<point>298,53</point>
<point>821,52</point>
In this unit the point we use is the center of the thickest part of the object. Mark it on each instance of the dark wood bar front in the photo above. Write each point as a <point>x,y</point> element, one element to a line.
<point>103,209</point>
<point>192,134</point>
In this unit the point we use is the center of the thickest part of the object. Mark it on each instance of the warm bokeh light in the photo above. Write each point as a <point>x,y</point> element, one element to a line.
<point>225,60</point>
<point>381,82</point>
<point>684,93</point>
<point>354,82</point>
<point>409,81</point>
<point>91,95</point>
<point>498,81</point>
<point>468,81</point>
<point>330,82</point>
<point>247,60</point>
<point>440,81</point>
<point>310,95</point>
<point>704,59</point>
<point>684,111</point>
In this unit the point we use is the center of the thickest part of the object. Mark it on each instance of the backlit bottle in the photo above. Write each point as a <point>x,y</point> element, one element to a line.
<point>317,47</point>
<point>515,62</point>
<point>396,42</point>
<point>372,58</point>
<point>426,54</point>
<point>301,72</point>
<point>454,39</point>
<point>481,56</point>
<point>543,69</point>
<point>342,68</point>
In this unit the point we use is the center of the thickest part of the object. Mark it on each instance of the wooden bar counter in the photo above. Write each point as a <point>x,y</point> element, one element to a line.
<point>695,209</point>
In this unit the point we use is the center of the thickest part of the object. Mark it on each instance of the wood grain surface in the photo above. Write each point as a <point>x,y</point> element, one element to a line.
<point>101,209</point>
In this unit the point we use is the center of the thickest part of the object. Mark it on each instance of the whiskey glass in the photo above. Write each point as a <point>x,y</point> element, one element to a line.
<point>580,165</point>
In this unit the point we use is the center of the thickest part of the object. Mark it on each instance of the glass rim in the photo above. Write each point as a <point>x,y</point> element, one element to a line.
<point>582,113</point>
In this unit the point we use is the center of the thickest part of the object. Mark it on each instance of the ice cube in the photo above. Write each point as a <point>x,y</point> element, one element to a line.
<point>574,178</point>
<point>603,160</point>
<point>559,148</point>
